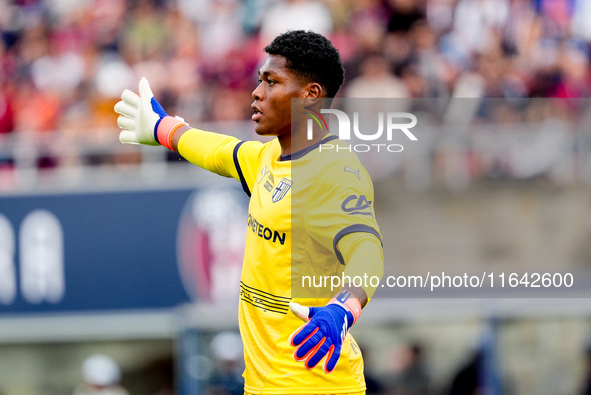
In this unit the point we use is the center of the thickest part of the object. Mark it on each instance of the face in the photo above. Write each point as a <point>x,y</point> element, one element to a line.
<point>272,97</point>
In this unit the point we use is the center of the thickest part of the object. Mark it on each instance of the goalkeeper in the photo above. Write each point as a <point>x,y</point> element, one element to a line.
<point>282,354</point>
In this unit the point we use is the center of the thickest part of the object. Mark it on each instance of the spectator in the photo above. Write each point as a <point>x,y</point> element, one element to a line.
<point>404,15</point>
<point>226,349</point>
<point>468,379</point>
<point>586,383</point>
<point>411,376</point>
<point>101,376</point>
<point>303,15</point>
<point>60,64</point>
<point>376,81</point>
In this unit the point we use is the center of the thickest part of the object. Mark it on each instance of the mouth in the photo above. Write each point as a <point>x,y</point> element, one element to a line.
<point>256,113</point>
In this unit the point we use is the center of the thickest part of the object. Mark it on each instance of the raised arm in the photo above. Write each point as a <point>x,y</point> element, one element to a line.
<point>143,121</point>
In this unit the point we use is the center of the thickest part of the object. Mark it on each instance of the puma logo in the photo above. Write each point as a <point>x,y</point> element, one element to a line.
<point>348,169</point>
<point>263,173</point>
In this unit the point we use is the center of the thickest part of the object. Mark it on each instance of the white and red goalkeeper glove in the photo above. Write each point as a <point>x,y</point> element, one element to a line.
<point>143,120</point>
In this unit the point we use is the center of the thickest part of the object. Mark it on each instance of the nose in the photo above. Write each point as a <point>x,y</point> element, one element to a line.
<point>257,93</point>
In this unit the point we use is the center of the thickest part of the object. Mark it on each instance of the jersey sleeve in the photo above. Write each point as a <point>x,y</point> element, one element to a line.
<point>364,256</point>
<point>341,203</point>
<point>223,155</point>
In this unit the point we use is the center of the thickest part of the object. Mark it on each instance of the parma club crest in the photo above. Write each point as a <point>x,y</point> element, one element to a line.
<point>281,189</point>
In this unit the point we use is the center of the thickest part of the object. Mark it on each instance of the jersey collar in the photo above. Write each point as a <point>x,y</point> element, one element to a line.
<point>299,154</point>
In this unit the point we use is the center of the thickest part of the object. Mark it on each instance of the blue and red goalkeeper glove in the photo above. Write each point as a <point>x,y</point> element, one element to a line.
<point>327,328</point>
<point>143,120</point>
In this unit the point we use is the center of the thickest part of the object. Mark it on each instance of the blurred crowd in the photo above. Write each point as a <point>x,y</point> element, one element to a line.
<point>64,63</point>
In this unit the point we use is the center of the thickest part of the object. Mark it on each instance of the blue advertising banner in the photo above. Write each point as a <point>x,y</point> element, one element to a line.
<point>110,251</point>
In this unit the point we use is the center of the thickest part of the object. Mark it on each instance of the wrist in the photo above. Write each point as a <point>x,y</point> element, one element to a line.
<point>165,129</point>
<point>349,302</point>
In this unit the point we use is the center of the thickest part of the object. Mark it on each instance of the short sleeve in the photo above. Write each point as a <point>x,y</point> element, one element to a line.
<point>223,155</point>
<point>247,158</point>
<point>341,202</point>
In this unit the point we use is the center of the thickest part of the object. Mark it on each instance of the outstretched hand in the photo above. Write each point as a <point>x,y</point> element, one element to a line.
<point>139,115</point>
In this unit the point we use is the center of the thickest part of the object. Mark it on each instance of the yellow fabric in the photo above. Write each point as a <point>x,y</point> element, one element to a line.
<point>321,190</point>
<point>351,393</point>
<point>364,257</point>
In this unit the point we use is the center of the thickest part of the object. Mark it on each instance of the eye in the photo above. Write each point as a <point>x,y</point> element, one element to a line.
<point>271,82</point>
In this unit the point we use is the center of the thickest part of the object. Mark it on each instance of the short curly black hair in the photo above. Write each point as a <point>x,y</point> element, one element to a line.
<point>312,56</point>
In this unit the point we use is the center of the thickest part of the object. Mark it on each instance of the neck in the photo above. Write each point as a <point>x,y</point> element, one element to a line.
<point>296,142</point>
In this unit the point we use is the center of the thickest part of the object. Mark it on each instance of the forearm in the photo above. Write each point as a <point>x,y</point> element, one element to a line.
<point>211,151</point>
<point>328,325</point>
<point>143,121</point>
<point>363,256</point>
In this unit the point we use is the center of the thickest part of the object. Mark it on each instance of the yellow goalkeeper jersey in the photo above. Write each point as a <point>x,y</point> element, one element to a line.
<point>300,207</point>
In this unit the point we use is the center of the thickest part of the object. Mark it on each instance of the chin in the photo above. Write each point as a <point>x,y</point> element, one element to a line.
<point>262,131</point>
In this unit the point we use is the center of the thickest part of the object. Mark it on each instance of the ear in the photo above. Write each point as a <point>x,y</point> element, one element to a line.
<point>313,92</point>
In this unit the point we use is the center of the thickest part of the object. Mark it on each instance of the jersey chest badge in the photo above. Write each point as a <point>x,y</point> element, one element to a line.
<point>281,189</point>
<point>267,177</point>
